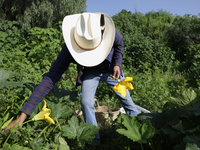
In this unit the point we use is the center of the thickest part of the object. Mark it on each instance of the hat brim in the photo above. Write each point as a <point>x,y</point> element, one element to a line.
<point>92,57</point>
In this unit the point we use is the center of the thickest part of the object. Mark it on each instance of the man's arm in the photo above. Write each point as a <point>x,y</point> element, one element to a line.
<point>59,66</point>
<point>55,72</point>
<point>118,53</point>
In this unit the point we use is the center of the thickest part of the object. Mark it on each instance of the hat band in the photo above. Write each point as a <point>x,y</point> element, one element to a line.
<point>87,49</point>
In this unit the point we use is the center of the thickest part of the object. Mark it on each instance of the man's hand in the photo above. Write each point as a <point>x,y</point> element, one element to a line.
<point>20,119</point>
<point>116,73</point>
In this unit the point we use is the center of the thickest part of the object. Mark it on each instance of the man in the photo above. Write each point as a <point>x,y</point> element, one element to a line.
<point>93,43</point>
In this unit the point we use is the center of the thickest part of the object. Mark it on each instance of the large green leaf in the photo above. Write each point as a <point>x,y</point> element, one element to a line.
<point>186,126</point>
<point>83,133</point>
<point>72,131</point>
<point>63,144</point>
<point>169,116</point>
<point>37,143</point>
<point>58,110</point>
<point>192,146</point>
<point>191,142</point>
<point>136,131</point>
<point>195,108</point>
<point>184,98</point>
<point>194,138</point>
<point>88,132</point>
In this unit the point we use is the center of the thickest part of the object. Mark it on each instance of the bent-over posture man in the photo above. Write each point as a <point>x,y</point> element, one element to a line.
<point>93,43</point>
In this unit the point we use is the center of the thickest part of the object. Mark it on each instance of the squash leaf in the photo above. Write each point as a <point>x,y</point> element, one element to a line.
<point>83,132</point>
<point>63,144</point>
<point>136,131</point>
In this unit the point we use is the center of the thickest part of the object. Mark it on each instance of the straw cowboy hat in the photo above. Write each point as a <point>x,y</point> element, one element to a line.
<point>89,37</point>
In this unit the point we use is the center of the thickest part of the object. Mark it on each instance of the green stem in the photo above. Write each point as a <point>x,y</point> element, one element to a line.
<point>50,131</point>
<point>58,124</point>
<point>7,139</point>
<point>141,146</point>
<point>45,137</point>
<point>27,122</point>
<point>44,129</point>
<point>55,128</point>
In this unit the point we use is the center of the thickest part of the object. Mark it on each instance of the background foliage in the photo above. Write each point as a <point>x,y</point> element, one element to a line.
<point>161,53</point>
<point>39,13</point>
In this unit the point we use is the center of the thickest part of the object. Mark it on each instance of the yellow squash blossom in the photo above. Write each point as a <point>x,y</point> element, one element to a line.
<point>44,115</point>
<point>123,85</point>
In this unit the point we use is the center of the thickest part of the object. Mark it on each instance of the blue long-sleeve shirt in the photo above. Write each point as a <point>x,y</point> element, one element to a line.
<point>60,66</point>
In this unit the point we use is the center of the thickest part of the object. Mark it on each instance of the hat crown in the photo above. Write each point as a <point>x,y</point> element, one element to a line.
<point>89,37</point>
<point>88,31</point>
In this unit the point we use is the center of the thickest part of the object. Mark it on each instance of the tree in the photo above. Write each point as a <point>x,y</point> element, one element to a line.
<point>141,51</point>
<point>184,32</point>
<point>39,13</point>
<point>155,24</point>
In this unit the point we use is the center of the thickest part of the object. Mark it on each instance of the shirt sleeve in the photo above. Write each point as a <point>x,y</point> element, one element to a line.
<point>55,72</point>
<point>118,49</point>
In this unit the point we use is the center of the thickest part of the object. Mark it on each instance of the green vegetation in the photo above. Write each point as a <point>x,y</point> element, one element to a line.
<point>39,13</point>
<point>162,54</point>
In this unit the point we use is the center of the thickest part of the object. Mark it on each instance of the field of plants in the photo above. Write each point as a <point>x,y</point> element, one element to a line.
<point>161,54</point>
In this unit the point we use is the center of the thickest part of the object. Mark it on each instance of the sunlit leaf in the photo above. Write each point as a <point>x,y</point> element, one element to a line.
<point>63,144</point>
<point>6,117</point>
<point>136,131</point>
<point>84,132</point>
<point>184,98</point>
<point>72,131</point>
<point>59,110</point>
<point>7,123</point>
